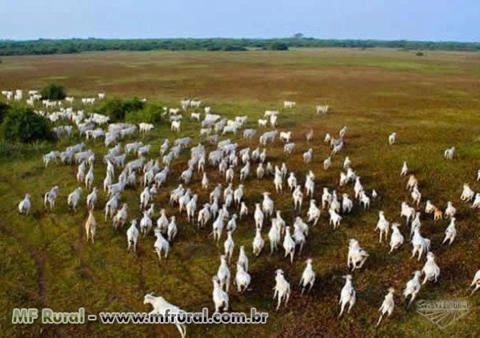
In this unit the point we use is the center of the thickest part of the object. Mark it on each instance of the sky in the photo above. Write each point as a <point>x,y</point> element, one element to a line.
<point>433,20</point>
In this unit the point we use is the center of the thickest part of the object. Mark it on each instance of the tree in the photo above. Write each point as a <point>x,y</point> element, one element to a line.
<point>53,92</point>
<point>232,48</point>
<point>24,125</point>
<point>278,46</point>
<point>297,35</point>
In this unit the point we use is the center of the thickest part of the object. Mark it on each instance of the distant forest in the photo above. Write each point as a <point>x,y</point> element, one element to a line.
<point>69,46</point>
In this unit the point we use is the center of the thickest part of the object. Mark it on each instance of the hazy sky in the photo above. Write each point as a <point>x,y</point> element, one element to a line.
<point>377,19</point>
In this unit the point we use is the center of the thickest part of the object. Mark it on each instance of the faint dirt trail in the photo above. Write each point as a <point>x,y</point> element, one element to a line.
<point>35,253</point>
<point>38,257</point>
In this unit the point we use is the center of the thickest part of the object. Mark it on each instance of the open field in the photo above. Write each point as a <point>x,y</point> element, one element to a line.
<point>432,102</point>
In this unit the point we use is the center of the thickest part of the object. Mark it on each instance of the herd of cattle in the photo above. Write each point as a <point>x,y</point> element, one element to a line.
<point>135,163</point>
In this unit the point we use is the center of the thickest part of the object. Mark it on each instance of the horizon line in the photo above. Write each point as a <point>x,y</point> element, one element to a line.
<point>226,38</point>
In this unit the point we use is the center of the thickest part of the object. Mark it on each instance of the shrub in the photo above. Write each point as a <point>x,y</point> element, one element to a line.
<point>117,109</point>
<point>53,92</point>
<point>113,108</point>
<point>3,111</point>
<point>152,113</point>
<point>23,125</point>
<point>419,54</point>
<point>133,105</point>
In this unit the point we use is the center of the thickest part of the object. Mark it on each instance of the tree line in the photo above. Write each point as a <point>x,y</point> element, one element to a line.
<point>69,46</point>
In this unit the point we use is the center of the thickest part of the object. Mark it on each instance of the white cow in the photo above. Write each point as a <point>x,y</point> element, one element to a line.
<point>161,307</point>
<point>281,289</point>
<point>25,205</point>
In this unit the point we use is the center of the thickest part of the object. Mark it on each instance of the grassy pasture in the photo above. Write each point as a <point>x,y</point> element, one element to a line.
<point>432,102</point>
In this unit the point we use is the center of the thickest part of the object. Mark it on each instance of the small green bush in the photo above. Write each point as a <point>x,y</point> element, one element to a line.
<point>117,109</point>
<point>53,92</point>
<point>152,113</point>
<point>113,108</point>
<point>23,125</point>
<point>4,108</point>
<point>133,105</point>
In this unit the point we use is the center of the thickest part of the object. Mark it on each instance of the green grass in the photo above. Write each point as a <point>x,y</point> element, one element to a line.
<point>47,262</point>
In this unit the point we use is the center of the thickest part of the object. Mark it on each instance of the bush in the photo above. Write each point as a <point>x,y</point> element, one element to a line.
<point>419,54</point>
<point>53,92</point>
<point>133,105</point>
<point>117,109</point>
<point>152,113</point>
<point>23,125</point>
<point>3,111</point>
<point>113,108</point>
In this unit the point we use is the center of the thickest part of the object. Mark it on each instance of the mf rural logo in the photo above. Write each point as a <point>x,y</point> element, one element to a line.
<point>443,313</point>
